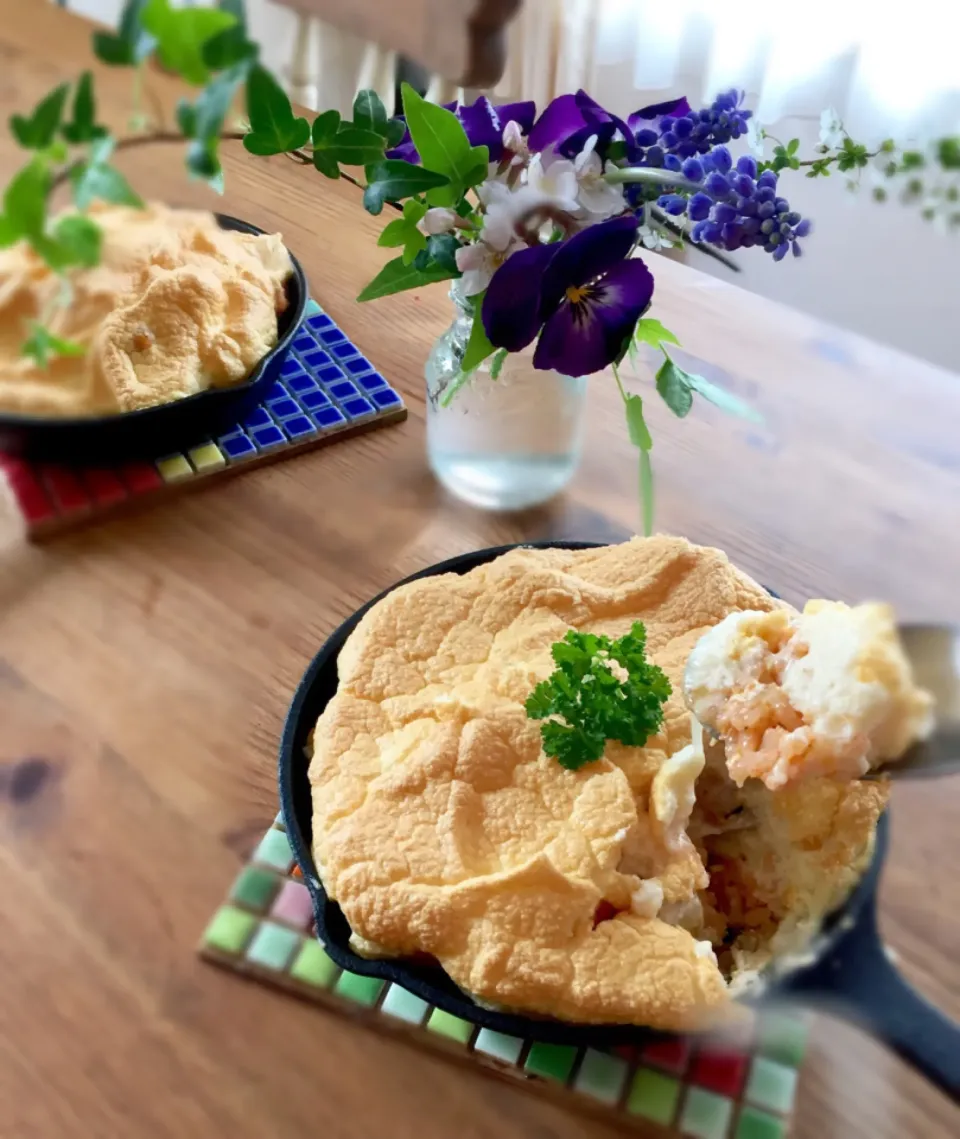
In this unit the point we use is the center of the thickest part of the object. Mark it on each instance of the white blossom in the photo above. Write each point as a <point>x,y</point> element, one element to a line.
<point>654,239</point>
<point>437,221</point>
<point>756,137</point>
<point>515,143</point>
<point>831,129</point>
<point>478,263</point>
<point>596,196</point>
<point>554,179</point>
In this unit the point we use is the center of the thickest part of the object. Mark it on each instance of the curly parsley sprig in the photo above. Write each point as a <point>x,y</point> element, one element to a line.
<point>601,690</point>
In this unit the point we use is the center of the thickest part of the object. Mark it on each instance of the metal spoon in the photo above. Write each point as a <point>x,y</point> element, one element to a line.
<point>934,655</point>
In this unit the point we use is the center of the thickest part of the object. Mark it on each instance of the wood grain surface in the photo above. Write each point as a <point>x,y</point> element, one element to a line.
<point>146,665</point>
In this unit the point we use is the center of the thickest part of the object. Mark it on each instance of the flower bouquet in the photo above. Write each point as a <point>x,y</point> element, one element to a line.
<point>539,218</point>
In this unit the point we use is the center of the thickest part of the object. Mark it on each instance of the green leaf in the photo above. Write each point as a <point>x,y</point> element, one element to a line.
<point>722,399</point>
<point>394,235</point>
<point>496,364</point>
<point>369,113</point>
<point>131,44</point>
<point>97,180</point>
<point>636,424</point>
<point>42,345</point>
<point>948,152</point>
<point>395,277</point>
<point>79,239</point>
<point>478,346</point>
<point>186,118</point>
<point>181,34</point>
<point>83,124</point>
<point>416,244</point>
<point>793,146</point>
<point>392,180</point>
<point>355,147</point>
<point>395,130</point>
<point>442,144</point>
<point>37,131</point>
<point>9,232</point>
<point>275,128</point>
<point>25,199</point>
<point>324,131</point>
<point>325,128</point>
<point>673,384</point>
<point>650,331</point>
<point>202,160</point>
<point>235,8</point>
<point>442,250</point>
<point>228,48</point>
<point>646,492</point>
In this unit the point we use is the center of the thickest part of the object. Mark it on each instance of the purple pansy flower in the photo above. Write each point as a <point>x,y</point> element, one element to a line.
<point>584,297</point>
<point>483,123</point>
<point>571,120</point>
<point>672,108</point>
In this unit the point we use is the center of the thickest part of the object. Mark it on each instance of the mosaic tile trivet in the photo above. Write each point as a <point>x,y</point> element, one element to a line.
<point>707,1089</point>
<point>327,391</point>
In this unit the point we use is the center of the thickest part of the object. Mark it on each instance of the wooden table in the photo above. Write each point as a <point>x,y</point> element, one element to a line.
<point>148,665</point>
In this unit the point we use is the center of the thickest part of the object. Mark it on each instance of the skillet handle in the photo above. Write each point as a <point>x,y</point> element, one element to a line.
<point>858,981</point>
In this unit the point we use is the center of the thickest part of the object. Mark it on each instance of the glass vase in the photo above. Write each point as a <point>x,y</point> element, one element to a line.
<point>501,444</point>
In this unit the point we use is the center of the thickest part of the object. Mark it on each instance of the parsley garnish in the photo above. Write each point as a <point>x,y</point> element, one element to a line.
<point>592,704</point>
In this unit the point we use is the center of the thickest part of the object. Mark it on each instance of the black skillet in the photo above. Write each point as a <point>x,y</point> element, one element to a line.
<point>847,971</point>
<point>151,432</point>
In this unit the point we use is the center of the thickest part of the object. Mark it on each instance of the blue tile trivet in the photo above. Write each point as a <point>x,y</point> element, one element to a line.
<point>327,390</point>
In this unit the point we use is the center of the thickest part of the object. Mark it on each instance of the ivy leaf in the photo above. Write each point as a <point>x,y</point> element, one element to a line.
<point>131,44</point>
<point>442,250</point>
<point>404,232</point>
<point>394,235</point>
<point>186,118</point>
<point>42,345</point>
<point>722,399</point>
<point>369,113</point>
<point>353,146</point>
<point>235,8</point>
<point>25,200</point>
<point>674,386</point>
<point>181,34</point>
<point>496,364</point>
<point>275,128</point>
<point>636,424</point>
<point>442,144</point>
<point>650,331</point>
<point>324,131</point>
<point>228,48</point>
<point>640,438</point>
<point>96,179</point>
<point>478,346</point>
<point>646,492</point>
<point>78,239</point>
<point>37,131</point>
<point>415,245</point>
<point>395,130</point>
<point>83,125</point>
<point>392,180</point>
<point>395,277</point>
<point>9,233</point>
<point>202,121</point>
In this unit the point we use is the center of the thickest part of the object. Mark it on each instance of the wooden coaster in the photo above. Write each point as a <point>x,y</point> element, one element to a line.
<point>741,1088</point>
<point>327,392</point>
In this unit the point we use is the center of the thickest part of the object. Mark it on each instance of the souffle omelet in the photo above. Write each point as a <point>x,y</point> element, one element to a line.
<point>645,887</point>
<point>828,691</point>
<point>177,305</point>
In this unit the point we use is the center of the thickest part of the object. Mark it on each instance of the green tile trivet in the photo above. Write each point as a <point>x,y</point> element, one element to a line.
<point>697,1088</point>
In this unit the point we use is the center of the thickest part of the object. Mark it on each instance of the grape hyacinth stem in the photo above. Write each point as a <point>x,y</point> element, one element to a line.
<point>652,176</point>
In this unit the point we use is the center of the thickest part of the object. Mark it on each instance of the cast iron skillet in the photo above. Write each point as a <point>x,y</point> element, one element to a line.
<point>847,971</point>
<point>153,431</point>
